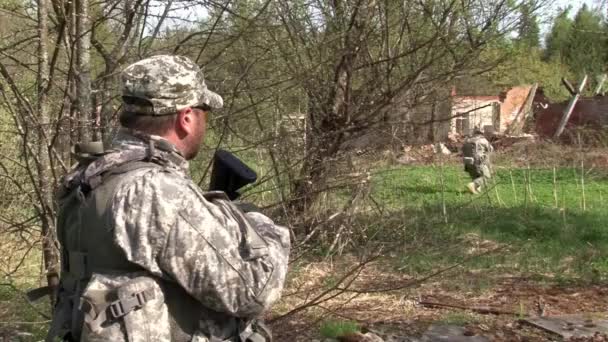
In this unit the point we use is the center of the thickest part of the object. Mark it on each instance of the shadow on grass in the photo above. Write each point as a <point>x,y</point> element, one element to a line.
<point>538,225</point>
<point>567,245</point>
<point>424,189</point>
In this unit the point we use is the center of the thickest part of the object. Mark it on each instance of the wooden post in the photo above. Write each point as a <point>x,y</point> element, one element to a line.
<point>568,86</point>
<point>600,85</point>
<point>569,109</point>
<point>517,124</point>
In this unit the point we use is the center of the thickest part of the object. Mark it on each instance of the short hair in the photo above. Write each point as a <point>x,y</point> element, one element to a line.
<point>149,124</point>
<point>146,123</point>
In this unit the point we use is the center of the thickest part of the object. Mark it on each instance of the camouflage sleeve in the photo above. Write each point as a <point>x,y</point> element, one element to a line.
<point>231,262</point>
<point>487,146</point>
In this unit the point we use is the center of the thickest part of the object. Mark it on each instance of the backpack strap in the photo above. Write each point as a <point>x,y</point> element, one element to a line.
<point>87,151</point>
<point>121,161</point>
<point>98,311</point>
<point>77,260</point>
<point>94,174</point>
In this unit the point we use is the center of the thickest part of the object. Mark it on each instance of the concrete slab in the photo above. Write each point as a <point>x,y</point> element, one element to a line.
<point>452,333</point>
<point>577,325</point>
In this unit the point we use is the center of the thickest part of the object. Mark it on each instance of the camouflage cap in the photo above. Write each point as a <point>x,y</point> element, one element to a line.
<point>166,84</point>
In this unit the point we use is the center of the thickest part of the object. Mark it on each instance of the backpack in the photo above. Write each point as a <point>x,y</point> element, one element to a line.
<point>470,152</point>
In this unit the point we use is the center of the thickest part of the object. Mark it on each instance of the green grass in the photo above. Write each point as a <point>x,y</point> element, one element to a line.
<point>421,185</point>
<point>552,223</point>
<point>333,329</point>
<point>19,316</point>
<point>457,318</point>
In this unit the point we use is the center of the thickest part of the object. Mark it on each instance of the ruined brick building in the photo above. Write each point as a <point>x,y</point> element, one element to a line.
<point>490,113</point>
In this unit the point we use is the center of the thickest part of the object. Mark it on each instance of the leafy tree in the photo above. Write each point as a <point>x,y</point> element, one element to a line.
<point>558,40</point>
<point>525,66</point>
<point>528,32</point>
<point>586,52</point>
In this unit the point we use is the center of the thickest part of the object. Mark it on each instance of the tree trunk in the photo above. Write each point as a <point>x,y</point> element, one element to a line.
<point>83,57</point>
<point>330,114</point>
<point>45,208</point>
<point>431,135</point>
<point>105,102</point>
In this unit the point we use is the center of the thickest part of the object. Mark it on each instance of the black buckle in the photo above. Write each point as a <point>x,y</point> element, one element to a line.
<point>141,298</point>
<point>123,306</point>
<point>117,310</point>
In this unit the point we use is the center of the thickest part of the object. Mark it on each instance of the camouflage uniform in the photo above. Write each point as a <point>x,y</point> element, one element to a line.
<point>147,255</point>
<point>476,158</point>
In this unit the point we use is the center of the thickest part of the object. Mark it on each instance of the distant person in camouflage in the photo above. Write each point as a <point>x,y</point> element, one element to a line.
<point>148,256</point>
<point>476,157</point>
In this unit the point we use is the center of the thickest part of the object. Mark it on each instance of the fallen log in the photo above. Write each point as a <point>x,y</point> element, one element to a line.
<point>477,309</point>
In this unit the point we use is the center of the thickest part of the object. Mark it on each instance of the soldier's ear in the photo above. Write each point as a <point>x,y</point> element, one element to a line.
<point>186,121</point>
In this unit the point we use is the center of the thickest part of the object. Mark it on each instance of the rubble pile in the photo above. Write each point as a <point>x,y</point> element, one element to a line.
<point>504,141</point>
<point>424,154</point>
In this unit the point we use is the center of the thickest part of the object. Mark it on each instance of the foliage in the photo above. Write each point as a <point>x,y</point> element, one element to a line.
<point>524,65</point>
<point>587,52</point>
<point>558,40</point>
<point>528,34</point>
<point>579,43</point>
<point>334,329</point>
<point>573,47</point>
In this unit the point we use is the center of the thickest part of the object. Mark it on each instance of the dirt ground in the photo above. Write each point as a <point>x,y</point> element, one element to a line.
<point>397,315</point>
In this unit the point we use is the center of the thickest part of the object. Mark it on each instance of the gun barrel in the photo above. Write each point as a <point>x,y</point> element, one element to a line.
<point>229,174</point>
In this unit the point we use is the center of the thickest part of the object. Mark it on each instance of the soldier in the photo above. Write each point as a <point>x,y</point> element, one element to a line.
<point>146,255</point>
<point>476,157</point>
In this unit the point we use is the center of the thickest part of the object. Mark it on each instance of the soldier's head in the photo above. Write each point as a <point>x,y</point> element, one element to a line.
<point>167,96</point>
<point>477,131</point>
